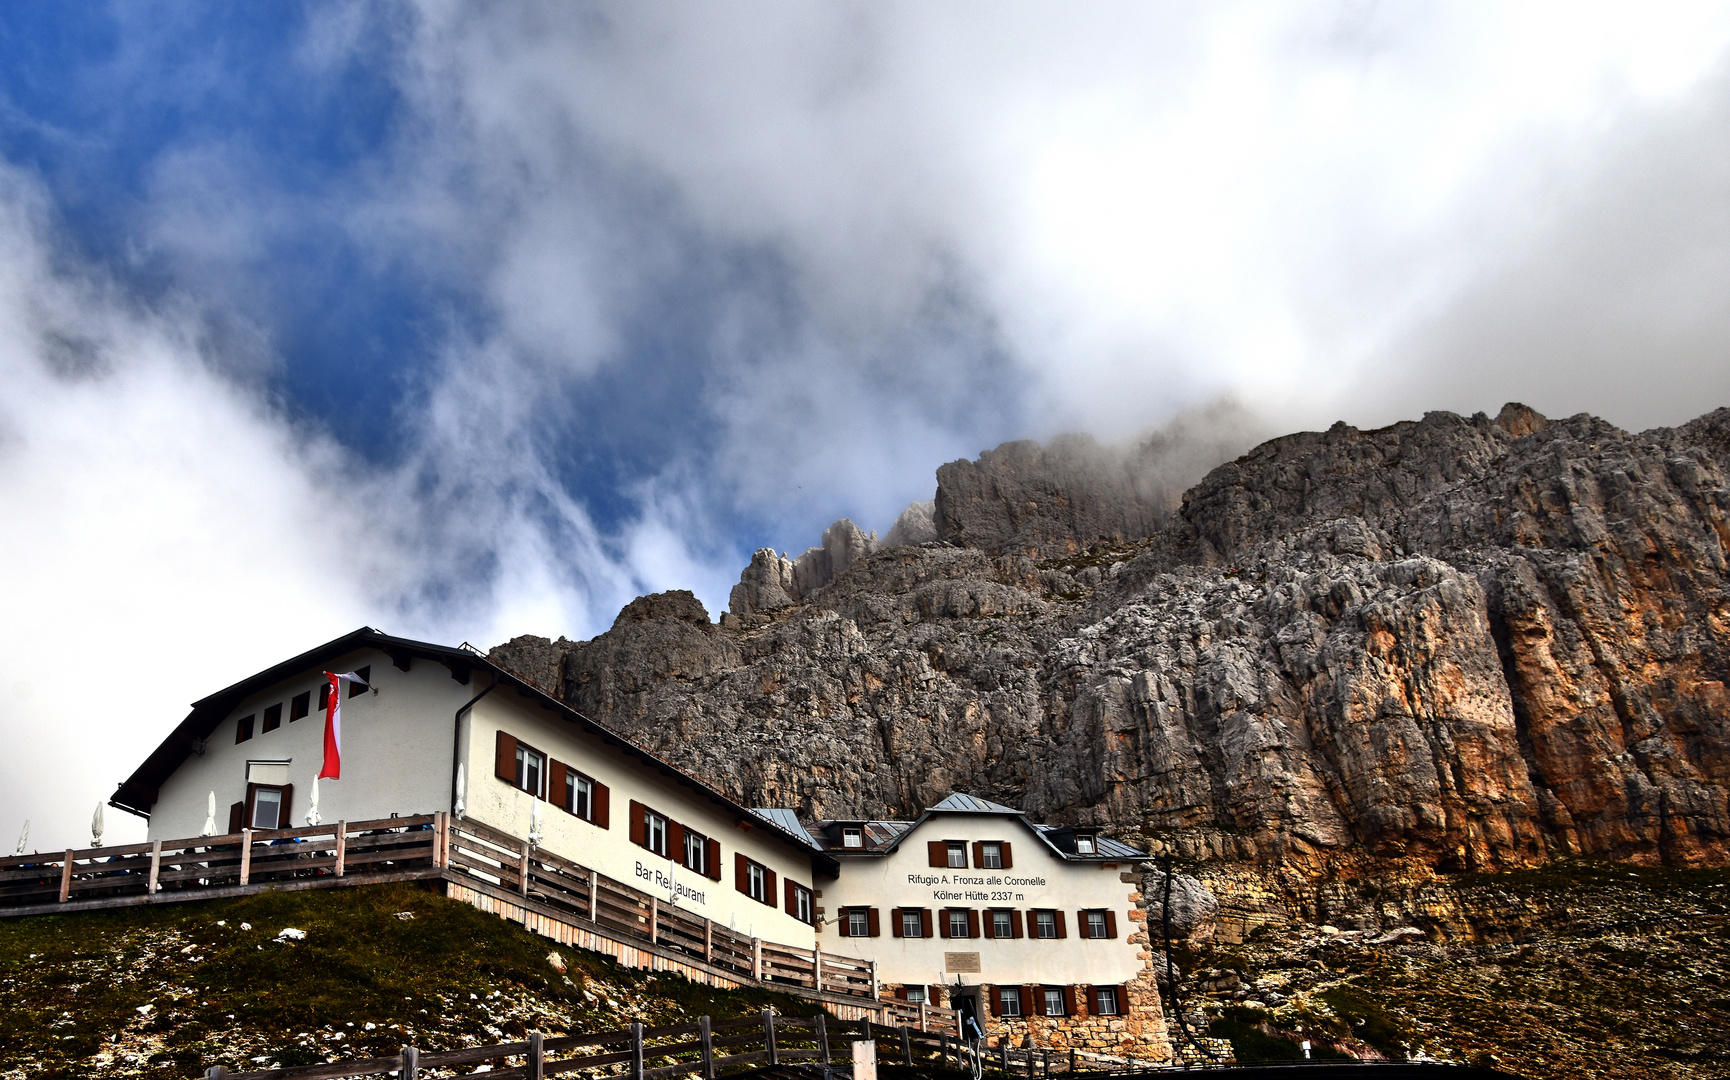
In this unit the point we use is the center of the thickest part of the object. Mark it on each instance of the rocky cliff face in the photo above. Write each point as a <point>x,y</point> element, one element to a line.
<point>1469,642</point>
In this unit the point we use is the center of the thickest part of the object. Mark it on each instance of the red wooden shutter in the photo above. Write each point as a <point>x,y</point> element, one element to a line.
<point>873,927</point>
<point>1081,927</point>
<point>675,841</point>
<point>1093,1000</point>
<point>925,922</point>
<point>236,817</point>
<point>714,860</point>
<point>1123,999</point>
<point>768,886</point>
<point>556,785</point>
<point>978,853</point>
<point>972,923</point>
<point>1062,930</point>
<point>1007,861</point>
<point>943,923</point>
<point>1015,924</point>
<point>251,807</point>
<point>938,852</point>
<point>741,872</point>
<point>997,1000</point>
<point>637,837</point>
<point>894,922</point>
<point>604,812</point>
<point>792,907</point>
<point>1069,1001</point>
<point>843,924</point>
<point>505,758</point>
<point>901,993</point>
<point>934,993</point>
<point>1111,924</point>
<point>283,820</point>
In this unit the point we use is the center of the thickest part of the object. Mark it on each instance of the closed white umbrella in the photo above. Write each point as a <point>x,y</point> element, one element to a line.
<point>535,832</point>
<point>461,806</point>
<point>96,827</point>
<point>210,818</point>
<point>312,817</point>
<point>23,837</point>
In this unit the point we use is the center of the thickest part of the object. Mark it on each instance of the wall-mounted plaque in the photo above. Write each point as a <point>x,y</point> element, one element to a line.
<point>962,963</point>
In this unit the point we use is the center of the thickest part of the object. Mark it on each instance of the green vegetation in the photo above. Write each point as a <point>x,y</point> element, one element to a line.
<point>1366,1020</point>
<point>179,987</point>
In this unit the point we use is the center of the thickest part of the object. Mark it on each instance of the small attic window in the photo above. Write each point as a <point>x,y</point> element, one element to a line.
<point>852,836</point>
<point>361,687</point>
<point>1084,845</point>
<point>243,727</point>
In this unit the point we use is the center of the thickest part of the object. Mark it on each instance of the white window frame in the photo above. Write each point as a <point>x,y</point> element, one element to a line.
<point>1096,921</point>
<point>1104,994</point>
<point>852,836</point>
<point>532,760</point>
<point>696,853</point>
<point>991,855</point>
<point>756,883</point>
<point>1086,845</point>
<point>951,916</point>
<point>858,922</point>
<point>915,994</point>
<point>802,907</point>
<point>1002,924</point>
<point>1009,997</point>
<point>258,791</point>
<point>582,792</point>
<point>957,850</point>
<point>655,832</point>
<point>1046,992</point>
<point>912,923</point>
<point>1044,921</point>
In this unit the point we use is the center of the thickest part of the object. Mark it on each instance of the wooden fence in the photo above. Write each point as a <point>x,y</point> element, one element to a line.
<point>705,1048</point>
<point>428,846</point>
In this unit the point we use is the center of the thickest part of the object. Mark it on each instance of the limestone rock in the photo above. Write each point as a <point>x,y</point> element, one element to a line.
<point>767,584</point>
<point>916,525</point>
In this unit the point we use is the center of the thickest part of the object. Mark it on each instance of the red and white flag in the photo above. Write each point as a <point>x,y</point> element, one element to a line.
<point>333,725</point>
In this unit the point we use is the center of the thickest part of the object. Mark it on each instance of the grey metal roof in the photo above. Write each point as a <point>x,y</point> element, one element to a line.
<point>787,821</point>
<point>971,805</point>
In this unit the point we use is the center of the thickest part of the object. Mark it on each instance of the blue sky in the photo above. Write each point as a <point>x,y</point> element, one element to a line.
<point>471,320</point>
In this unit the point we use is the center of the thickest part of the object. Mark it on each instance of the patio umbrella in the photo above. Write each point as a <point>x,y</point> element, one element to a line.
<point>23,837</point>
<point>461,806</point>
<point>210,818</point>
<point>96,827</point>
<point>534,820</point>
<point>312,817</point>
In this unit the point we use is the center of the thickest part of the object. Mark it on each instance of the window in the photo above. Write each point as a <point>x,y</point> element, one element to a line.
<point>1084,845</point>
<point>912,923</point>
<point>243,728</point>
<point>267,808</point>
<point>696,854</point>
<point>1096,924</point>
<point>300,706</point>
<point>1099,923</point>
<point>957,855</point>
<point>852,836</point>
<point>365,674</point>
<point>324,697</point>
<point>273,717</point>
<point>915,995</point>
<point>956,919</point>
<point>858,922</point>
<point>1009,1001</point>
<point>531,770</point>
<point>1105,1001</point>
<point>799,902</point>
<point>757,883</point>
<point>1055,1005</point>
<point>580,795</point>
<point>991,856</point>
<point>654,832</point>
<point>754,880</point>
<point>1001,926</point>
<point>1046,924</point>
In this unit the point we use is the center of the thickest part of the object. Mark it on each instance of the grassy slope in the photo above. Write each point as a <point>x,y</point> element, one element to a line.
<point>169,991</point>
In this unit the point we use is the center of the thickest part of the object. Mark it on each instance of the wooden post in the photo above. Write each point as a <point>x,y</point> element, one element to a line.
<point>1046,1054</point>
<point>876,991</point>
<point>245,855</point>
<point>441,839</point>
<point>594,882</point>
<point>906,1048</point>
<point>1003,1053</point>
<point>537,1057</point>
<point>523,870</point>
<point>769,1036</point>
<point>1029,1063</point>
<point>410,1064</point>
<point>756,943</point>
<point>636,1052</point>
<point>817,969</point>
<point>654,919</point>
<point>708,941</point>
<point>708,1040</point>
<point>1072,1059</point>
<point>66,877</point>
<point>823,1038</point>
<point>155,866</point>
<point>341,845</point>
<point>943,1047</point>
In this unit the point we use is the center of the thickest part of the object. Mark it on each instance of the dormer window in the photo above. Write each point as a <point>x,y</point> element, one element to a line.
<point>1084,845</point>
<point>852,836</point>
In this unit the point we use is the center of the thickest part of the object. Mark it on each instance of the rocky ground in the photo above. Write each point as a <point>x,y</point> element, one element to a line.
<point>170,991</point>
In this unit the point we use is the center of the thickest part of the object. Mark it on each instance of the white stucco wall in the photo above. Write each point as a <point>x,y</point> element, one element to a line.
<point>396,749</point>
<point>610,851</point>
<point>1038,878</point>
